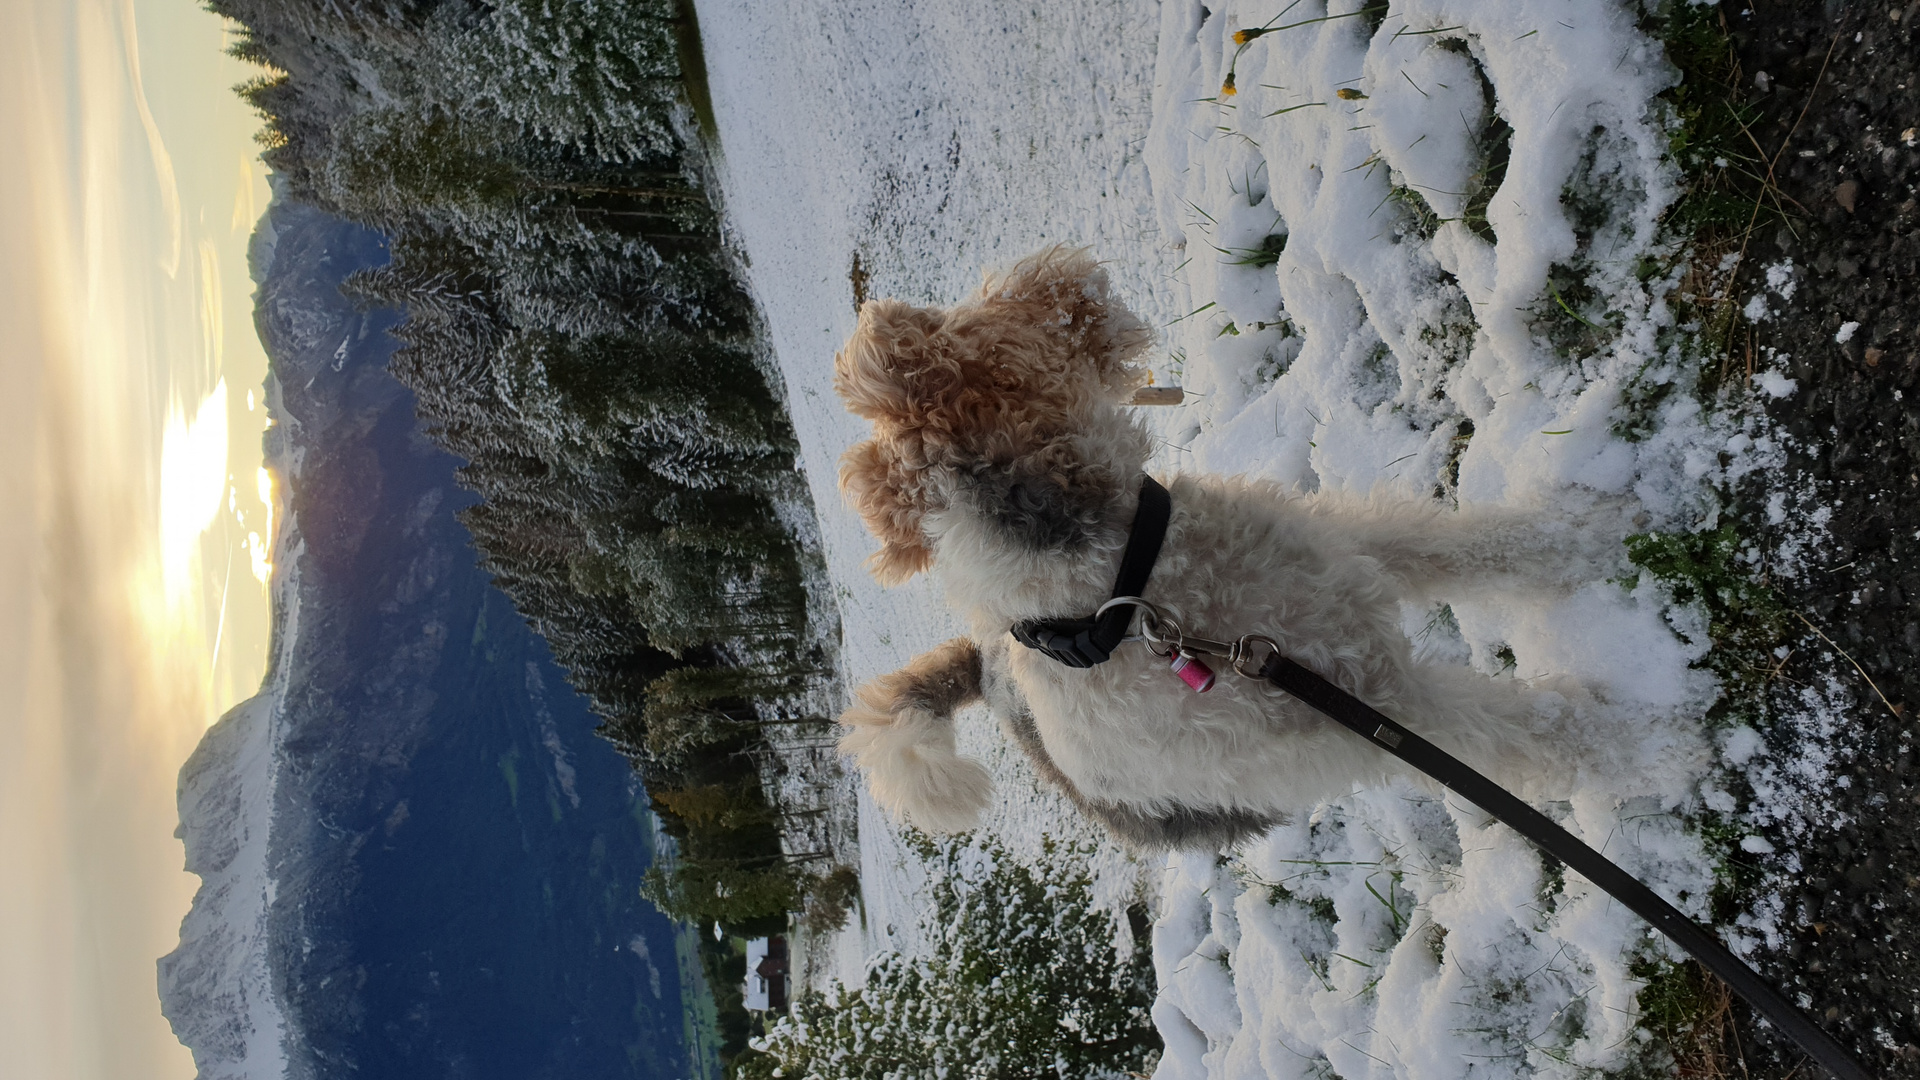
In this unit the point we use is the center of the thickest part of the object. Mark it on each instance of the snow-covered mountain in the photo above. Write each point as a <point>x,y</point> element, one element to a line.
<point>415,859</point>
<point>217,987</point>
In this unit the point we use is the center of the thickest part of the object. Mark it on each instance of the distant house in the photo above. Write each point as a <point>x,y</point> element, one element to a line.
<point>767,974</point>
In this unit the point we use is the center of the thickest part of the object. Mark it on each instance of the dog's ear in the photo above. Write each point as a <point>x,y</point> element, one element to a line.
<point>1065,289</point>
<point>892,340</point>
<point>890,496</point>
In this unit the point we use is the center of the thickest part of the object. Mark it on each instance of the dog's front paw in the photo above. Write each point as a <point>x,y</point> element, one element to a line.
<point>913,770</point>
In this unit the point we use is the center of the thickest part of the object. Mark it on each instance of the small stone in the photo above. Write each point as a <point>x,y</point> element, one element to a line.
<point>1873,356</point>
<point>1847,194</point>
<point>1762,81</point>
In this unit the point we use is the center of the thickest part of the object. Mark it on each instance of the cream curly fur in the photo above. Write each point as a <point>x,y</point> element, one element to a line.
<point>1004,460</point>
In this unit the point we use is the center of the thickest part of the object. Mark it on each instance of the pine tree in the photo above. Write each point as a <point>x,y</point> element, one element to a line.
<point>718,806</point>
<point>727,891</point>
<point>599,75</point>
<point>695,407</point>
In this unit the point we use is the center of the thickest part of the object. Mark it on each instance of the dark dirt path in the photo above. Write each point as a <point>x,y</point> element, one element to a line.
<point>1851,167</point>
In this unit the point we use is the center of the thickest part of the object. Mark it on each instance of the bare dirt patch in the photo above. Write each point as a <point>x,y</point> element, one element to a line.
<point>1848,336</point>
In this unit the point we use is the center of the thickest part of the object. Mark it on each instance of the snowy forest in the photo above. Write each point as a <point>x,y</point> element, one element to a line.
<point>574,333</point>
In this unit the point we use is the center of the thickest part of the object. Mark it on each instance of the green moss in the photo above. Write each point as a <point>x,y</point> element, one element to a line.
<point>1322,909</point>
<point>1746,621</point>
<point>1422,221</point>
<point>1745,618</point>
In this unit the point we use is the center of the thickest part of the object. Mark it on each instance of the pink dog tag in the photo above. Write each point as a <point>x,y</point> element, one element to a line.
<point>1193,672</point>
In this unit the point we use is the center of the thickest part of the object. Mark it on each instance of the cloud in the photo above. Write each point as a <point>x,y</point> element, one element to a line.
<point>104,666</point>
<point>169,187</point>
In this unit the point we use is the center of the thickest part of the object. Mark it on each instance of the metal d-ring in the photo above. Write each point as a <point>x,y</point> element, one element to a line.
<point>1156,630</point>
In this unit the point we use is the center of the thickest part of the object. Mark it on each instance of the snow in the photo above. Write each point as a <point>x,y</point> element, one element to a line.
<point>1391,932</point>
<point>1775,383</point>
<point>217,986</point>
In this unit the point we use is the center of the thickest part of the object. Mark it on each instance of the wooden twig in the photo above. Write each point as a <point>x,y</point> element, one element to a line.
<point>1158,395</point>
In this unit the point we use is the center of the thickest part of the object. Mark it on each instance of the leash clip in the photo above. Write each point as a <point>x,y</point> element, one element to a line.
<point>1164,637</point>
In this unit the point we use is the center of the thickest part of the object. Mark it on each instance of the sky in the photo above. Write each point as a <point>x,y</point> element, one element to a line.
<point>133,531</point>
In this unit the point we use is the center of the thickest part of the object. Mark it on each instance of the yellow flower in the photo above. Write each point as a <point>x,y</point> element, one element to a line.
<point>1350,94</point>
<point>1241,37</point>
<point>1226,88</point>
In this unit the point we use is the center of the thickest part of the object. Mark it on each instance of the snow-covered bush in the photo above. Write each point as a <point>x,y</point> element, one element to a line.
<point>1026,978</point>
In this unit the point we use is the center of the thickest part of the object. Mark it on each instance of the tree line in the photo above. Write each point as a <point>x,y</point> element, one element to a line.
<point>575,333</point>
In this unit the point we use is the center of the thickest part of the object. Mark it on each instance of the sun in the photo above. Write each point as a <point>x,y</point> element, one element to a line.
<point>193,485</point>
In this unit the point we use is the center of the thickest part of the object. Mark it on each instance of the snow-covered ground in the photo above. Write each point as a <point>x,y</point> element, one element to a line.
<point>1501,347</point>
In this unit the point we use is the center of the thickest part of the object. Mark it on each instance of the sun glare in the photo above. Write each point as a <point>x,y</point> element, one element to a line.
<point>260,548</point>
<point>193,484</point>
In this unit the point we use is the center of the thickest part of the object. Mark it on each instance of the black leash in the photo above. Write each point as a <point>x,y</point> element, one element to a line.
<point>1082,643</point>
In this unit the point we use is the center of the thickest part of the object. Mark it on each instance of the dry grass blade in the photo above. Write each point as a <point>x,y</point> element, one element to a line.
<point>1769,184</point>
<point>1701,1054</point>
<point>1850,660</point>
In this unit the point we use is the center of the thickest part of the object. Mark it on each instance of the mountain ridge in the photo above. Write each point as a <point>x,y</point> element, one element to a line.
<point>414,860</point>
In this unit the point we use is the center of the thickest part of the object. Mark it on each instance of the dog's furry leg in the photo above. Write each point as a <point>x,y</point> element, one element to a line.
<point>901,733</point>
<point>1138,830</point>
<point>1549,738</point>
<point>1433,549</point>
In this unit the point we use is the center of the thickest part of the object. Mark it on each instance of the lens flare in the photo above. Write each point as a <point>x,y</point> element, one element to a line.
<point>259,547</point>
<point>193,483</point>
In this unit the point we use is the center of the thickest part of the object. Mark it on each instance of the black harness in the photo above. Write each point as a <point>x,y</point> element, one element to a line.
<point>1082,643</point>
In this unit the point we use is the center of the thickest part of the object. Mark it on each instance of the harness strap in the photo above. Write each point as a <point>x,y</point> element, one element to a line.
<point>1540,830</point>
<point>1082,643</point>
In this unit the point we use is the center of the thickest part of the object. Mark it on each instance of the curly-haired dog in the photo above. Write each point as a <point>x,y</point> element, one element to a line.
<point>1005,460</point>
